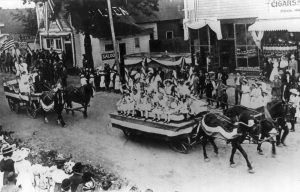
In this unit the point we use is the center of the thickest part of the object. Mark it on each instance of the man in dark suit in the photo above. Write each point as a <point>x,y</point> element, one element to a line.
<point>28,60</point>
<point>38,81</point>
<point>269,67</point>
<point>221,75</point>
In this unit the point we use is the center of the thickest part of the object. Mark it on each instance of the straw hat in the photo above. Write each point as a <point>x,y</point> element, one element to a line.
<point>7,149</point>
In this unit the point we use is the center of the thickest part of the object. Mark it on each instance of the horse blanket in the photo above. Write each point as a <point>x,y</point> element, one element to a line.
<point>219,126</point>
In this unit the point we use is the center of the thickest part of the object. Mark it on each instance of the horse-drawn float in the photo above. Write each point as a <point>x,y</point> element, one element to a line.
<point>181,133</point>
<point>18,100</point>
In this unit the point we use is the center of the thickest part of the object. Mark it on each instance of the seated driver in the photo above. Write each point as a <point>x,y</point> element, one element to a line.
<point>24,85</point>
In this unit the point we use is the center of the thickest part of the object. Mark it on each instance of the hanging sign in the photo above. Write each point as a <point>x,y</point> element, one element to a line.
<point>108,56</point>
<point>284,8</point>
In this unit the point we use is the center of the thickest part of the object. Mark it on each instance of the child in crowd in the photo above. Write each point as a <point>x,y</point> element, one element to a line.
<point>159,105</point>
<point>121,104</point>
<point>224,99</point>
<point>171,108</point>
<point>144,105</point>
<point>209,90</point>
<point>183,107</point>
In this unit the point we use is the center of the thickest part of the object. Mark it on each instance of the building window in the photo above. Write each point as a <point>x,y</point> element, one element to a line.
<point>109,47</point>
<point>246,51</point>
<point>137,42</point>
<point>58,43</point>
<point>169,35</point>
<point>49,43</point>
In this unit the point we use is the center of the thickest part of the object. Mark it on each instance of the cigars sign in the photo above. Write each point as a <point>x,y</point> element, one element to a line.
<point>289,8</point>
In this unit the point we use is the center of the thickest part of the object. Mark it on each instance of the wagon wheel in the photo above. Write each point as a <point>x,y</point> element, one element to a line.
<point>129,134</point>
<point>32,110</point>
<point>181,145</point>
<point>11,104</point>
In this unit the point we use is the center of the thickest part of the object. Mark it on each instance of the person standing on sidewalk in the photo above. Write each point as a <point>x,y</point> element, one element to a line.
<point>237,83</point>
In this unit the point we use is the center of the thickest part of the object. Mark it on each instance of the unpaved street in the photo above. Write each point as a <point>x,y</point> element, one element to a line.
<point>151,164</point>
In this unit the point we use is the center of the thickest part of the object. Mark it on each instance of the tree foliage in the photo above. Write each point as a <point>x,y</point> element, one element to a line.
<point>28,19</point>
<point>87,20</point>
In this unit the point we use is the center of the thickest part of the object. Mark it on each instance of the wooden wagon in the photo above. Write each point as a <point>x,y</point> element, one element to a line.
<point>181,135</point>
<point>17,100</point>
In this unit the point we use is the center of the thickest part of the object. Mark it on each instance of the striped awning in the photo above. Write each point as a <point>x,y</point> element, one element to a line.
<point>291,25</point>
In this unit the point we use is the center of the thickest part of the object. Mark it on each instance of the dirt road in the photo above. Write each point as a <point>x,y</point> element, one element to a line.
<point>150,163</point>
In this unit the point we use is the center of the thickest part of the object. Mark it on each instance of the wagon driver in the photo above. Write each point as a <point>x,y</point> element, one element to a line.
<point>21,67</point>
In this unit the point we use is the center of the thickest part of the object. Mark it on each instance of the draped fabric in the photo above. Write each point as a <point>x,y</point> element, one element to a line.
<point>257,37</point>
<point>214,24</point>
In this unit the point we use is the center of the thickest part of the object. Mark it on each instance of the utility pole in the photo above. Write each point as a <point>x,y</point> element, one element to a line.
<point>113,36</point>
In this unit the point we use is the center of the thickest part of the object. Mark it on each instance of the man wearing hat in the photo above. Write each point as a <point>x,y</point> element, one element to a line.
<point>11,186</point>
<point>7,164</point>
<point>76,178</point>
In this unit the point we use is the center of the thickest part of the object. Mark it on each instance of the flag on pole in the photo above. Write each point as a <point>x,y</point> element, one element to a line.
<point>8,43</point>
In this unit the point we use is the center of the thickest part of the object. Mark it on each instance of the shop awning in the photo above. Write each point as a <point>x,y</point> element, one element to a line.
<point>291,25</point>
<point>214,24</point>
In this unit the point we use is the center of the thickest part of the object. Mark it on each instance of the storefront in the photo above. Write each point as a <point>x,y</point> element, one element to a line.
<point>250,31</point>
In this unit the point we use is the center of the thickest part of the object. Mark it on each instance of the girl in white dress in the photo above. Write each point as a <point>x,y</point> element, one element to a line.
<point>275,69</point>
<point>144,105</point>
<point>245,93</point>
<point>255,96</point>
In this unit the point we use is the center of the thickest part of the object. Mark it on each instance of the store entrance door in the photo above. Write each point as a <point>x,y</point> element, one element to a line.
<point>227,54</point>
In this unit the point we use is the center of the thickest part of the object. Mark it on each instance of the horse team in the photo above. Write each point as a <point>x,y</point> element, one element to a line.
<point>57,99</point>
<point>265,124</point>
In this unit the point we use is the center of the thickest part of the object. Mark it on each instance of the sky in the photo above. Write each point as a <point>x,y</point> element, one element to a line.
<point>13,4</point>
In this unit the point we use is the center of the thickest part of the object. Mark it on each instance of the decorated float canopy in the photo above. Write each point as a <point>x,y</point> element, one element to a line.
<point>163,60</point>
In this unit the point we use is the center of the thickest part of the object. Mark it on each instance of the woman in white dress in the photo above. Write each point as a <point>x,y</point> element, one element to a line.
<point>275,69</point>
<point>24,171</point>
<point>245,99</point>
<point>255,97</point>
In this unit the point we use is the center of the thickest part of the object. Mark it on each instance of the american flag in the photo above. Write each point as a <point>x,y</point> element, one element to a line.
<point>8,43</point>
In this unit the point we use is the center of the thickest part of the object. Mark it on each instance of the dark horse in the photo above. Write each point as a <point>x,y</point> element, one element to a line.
<point>264,117</point>
<point>235,127</point>
<point>278,111</point>
<point>81,95</point>
<point>52,101</point>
